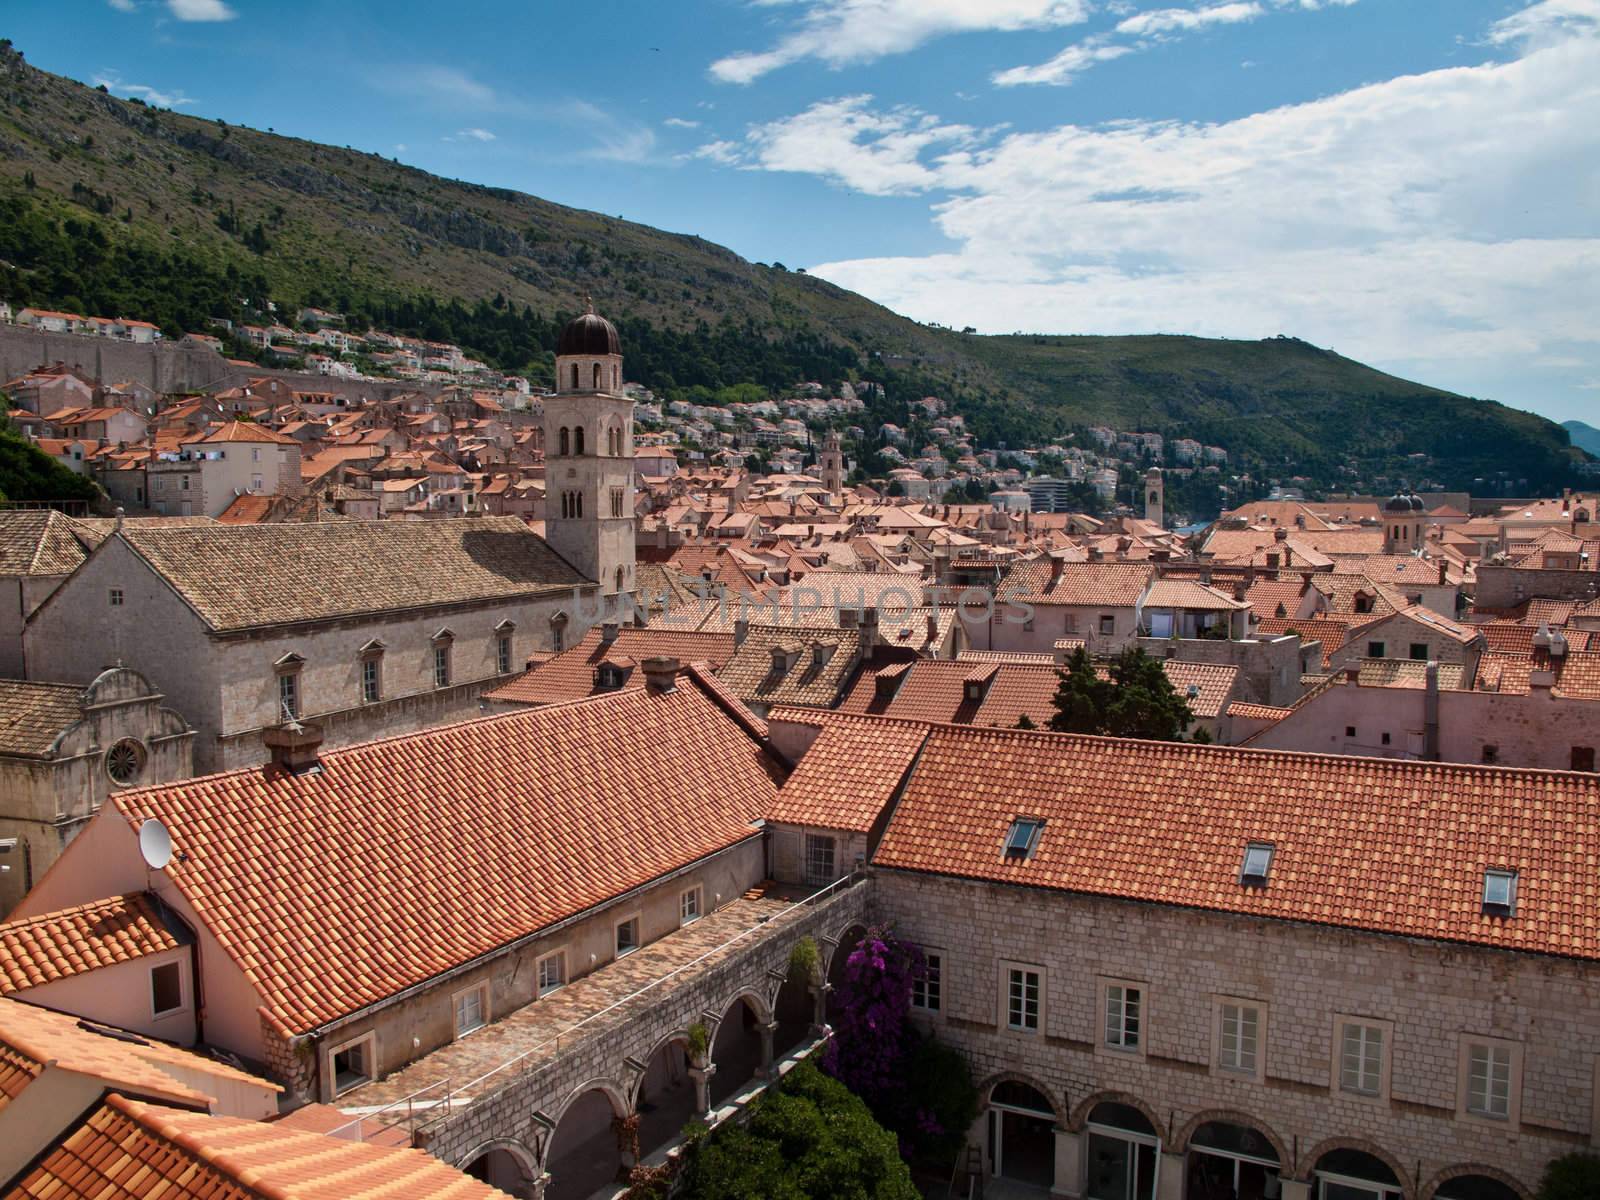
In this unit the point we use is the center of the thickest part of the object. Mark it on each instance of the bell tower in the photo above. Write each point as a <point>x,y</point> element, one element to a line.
<point>1155,489</point>
<point>588,452</point>
<point>831,465</point>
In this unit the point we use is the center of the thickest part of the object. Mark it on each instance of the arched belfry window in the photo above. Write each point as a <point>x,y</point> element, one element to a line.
<point>565,442</point>
<point>616,378</point>
<point>597,377</point>
<point>619,579</point>
<point>577,440</point>
<point>574,376</point>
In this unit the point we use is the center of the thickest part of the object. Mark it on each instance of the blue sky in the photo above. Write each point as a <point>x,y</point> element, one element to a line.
<point>1415,183</point>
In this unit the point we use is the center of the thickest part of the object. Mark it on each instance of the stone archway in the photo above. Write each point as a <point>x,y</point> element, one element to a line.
<point>1080,1112</point>
<point>849,938</point>
<point>1473,1181</point>
<point>1231,1116</point>
<point>736,1047</point>
<point>1308,1161</point>
<point>664,1097</point>
<point>583,1153</point>
<point>504,1164</point>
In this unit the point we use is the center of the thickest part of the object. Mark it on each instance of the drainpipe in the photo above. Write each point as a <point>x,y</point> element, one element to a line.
<point>1430,714</point>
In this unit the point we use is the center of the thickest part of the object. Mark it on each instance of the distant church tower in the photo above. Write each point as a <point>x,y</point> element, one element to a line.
<point>588,452</point>
<point>1155,489</point>
<point>1403,523</point>
<point>831,465</point>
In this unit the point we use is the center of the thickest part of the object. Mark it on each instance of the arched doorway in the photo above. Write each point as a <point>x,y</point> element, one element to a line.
<point>1021,1134</point>
<point>1475,1187</point>
<point>1349,1174</point>
<point>794,1010</point>
<point>1124,1153</point>
<point>736,1050</point>
<point>583,1154</point>
<point>665,1101</point>
<point>839,964</point>
<point>1230,1162</point>
<point>501,1168</point>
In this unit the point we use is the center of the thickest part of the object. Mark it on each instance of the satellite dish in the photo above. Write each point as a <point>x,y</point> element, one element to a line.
<point>155,843</point>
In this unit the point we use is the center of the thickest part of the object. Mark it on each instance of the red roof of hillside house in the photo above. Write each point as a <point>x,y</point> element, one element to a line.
<point>1168,823</point>
<point>574,674</point>
<point>962,692</point>
<point>124,1149</point>
<point>246,431</point>
<point>332,895</point>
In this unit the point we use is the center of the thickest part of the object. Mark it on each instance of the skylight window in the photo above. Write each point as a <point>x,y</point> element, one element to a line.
<point>1023,837</point>
<point>1257,862</point>
<point>1499,893</point>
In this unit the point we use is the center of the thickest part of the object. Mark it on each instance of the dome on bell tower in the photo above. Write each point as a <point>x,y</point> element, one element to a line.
<point>588,333</point>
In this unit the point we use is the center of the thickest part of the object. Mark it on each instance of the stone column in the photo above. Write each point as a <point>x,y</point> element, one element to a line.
<point>767,1031</point>
<point>1170,1186</point>
<point>533,1189</point>
<point>702,1088</point>
<point>1069,1164</point>
<point>819,1009</point>
<point>1295,1189</point>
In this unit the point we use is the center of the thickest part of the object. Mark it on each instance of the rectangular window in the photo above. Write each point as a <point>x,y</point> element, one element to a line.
<point>441,666</point>
<point>820,859</point>
<point>627,936</point>
<point>1238,1037</point>
<point>116,597</point>
<point>1419,651</point>
<point>502,653</point>
<point>1583,758</point>
<point>185,483</point>
<point>1122,1016</point>
<point>1360,1058</point>
<point>616,502</point>
<point>689,906</point>
<point>1499,893</point>
<point>1022,1000</point>
<point>926,989</point>
<point>1491,754</point>
<point>1374,649</point>
<point>371,685</point>
<point>1489,1080</point>
<point>552,972</point>
<point>1108,624</point>
<point>352,1065</point>
<point>166,989</point>
<point>471,1007</point>
<point>289,695</point>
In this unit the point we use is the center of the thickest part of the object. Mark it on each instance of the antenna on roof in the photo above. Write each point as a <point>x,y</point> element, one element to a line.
<point>155,844</point>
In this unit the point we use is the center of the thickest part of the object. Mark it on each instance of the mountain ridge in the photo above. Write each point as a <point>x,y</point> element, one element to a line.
<point>102,199</point>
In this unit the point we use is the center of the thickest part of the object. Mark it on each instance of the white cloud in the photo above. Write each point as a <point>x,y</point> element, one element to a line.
<point>149,95</point>
<point>1546,21</point>
<point>124,6</point>
<point>1184,20</point>
<point>844,140</point>
<point>449,85</point>
<point>471,135</point>
<point>726,153</point>
<point>845,32</point>
<point>1439,223</point>
<point>1064,67</point>
<point>1147,29</point>
<point>200,10</point>
<point>680,123</point>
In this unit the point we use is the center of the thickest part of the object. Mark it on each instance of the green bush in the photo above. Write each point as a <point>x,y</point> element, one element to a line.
<point>1573,1176</point>
<point>810,1139</point>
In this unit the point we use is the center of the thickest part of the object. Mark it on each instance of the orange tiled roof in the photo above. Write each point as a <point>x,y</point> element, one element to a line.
<point>1213,684</point>
<point>936,690</point>
<point>752,674</point>
<point>57,945</point>
<point>850,772</point>
<point>1105,585</point>
<point>344,885</point>
<point>570,675</point>
<point>33,715</point>
<point>1257,712</point>
<point>127,1150</point>
<point>1167,823</point>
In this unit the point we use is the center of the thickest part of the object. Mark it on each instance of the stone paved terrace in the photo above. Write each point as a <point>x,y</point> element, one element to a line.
<point>535,1026</point>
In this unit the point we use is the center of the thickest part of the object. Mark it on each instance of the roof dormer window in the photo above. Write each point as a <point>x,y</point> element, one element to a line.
<point>1257,863</point>
<point>1499,893</point>
<point>1022,839</point>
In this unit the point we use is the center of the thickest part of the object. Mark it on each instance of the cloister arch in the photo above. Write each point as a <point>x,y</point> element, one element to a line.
<point>1313,1161</point>
<point>1229,1153</point>
<point>1079,1116</point>
<point>736,1046</point>
<point>503,1163</point>
<point>1474,1181</point>
<point>849,938</point>
<point>582,1154</point>
<point>664,1095</point>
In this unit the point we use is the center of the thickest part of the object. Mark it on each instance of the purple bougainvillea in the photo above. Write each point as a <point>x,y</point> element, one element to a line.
<point>874,1003</point>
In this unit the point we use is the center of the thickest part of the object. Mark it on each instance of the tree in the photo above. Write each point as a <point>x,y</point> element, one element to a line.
<point>1134,700</point>
<point>896,488</point>
<point>809,1139</point>
<point>1574,1176</point>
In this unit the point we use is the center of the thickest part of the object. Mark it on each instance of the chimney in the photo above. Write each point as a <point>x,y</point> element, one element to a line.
<point>1273,560</point>
<point>1239,589</point>
<point>933,630</point>
<point>1441,571</point>
<point>1055,569</point>
<point>849,618</point>
<point>869,630</point>
<point>1352,674</point>
<point>1280,535</point>
<point>660,674</point>
<point>608,632</point>
<point>293,747</point>
<point>741,630</point>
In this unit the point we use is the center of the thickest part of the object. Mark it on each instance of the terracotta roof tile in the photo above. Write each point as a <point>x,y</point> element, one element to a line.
<point>128,1150</point>
<point>1168,823</point>
<point>32,715</point>
<point>43,542</point>
<point>1107,585</point>
<point>849,774</point>
<point>754,675</point>
<point>570,675</point>
<point>575,803</point>
<point>58,945</point>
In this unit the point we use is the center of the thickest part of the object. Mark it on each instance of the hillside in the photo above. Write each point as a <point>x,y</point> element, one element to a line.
<point>109,206</point>
<point>1585,437</point>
